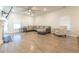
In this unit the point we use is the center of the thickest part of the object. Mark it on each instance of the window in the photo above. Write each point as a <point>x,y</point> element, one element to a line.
<point>17,26</point>
<point>65,21</point>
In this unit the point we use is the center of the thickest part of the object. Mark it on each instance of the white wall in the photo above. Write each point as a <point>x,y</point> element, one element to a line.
<point>13,18</point>
<point>53,18</point>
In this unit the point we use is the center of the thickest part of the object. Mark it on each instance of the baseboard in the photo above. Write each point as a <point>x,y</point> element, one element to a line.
<point>12,33</point>
<point>73,35</point>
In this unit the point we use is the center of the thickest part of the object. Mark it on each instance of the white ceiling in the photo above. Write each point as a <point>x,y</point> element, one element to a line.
<point>36,10</point>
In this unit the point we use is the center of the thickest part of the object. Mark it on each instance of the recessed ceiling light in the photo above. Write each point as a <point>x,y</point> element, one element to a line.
<point>29,10</point>
<point>45,9</point>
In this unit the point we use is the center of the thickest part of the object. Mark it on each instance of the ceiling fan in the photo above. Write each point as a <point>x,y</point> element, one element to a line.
<point>6,14</point>
<point>29,10</point>
<point>32,10</point>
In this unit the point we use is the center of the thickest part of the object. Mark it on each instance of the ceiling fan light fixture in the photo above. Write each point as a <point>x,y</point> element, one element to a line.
<point>29,10</point>
<point>28,13</point>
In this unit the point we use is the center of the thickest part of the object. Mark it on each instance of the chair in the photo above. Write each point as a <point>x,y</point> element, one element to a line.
<point>61,31</point>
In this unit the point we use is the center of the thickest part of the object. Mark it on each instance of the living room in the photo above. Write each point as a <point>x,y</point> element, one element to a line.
<point>37,23</point>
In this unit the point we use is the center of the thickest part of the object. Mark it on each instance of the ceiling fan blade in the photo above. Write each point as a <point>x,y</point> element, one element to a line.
<point>36,10</point>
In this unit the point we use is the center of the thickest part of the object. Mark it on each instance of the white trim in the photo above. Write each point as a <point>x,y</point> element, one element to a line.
<point>73,35</point>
